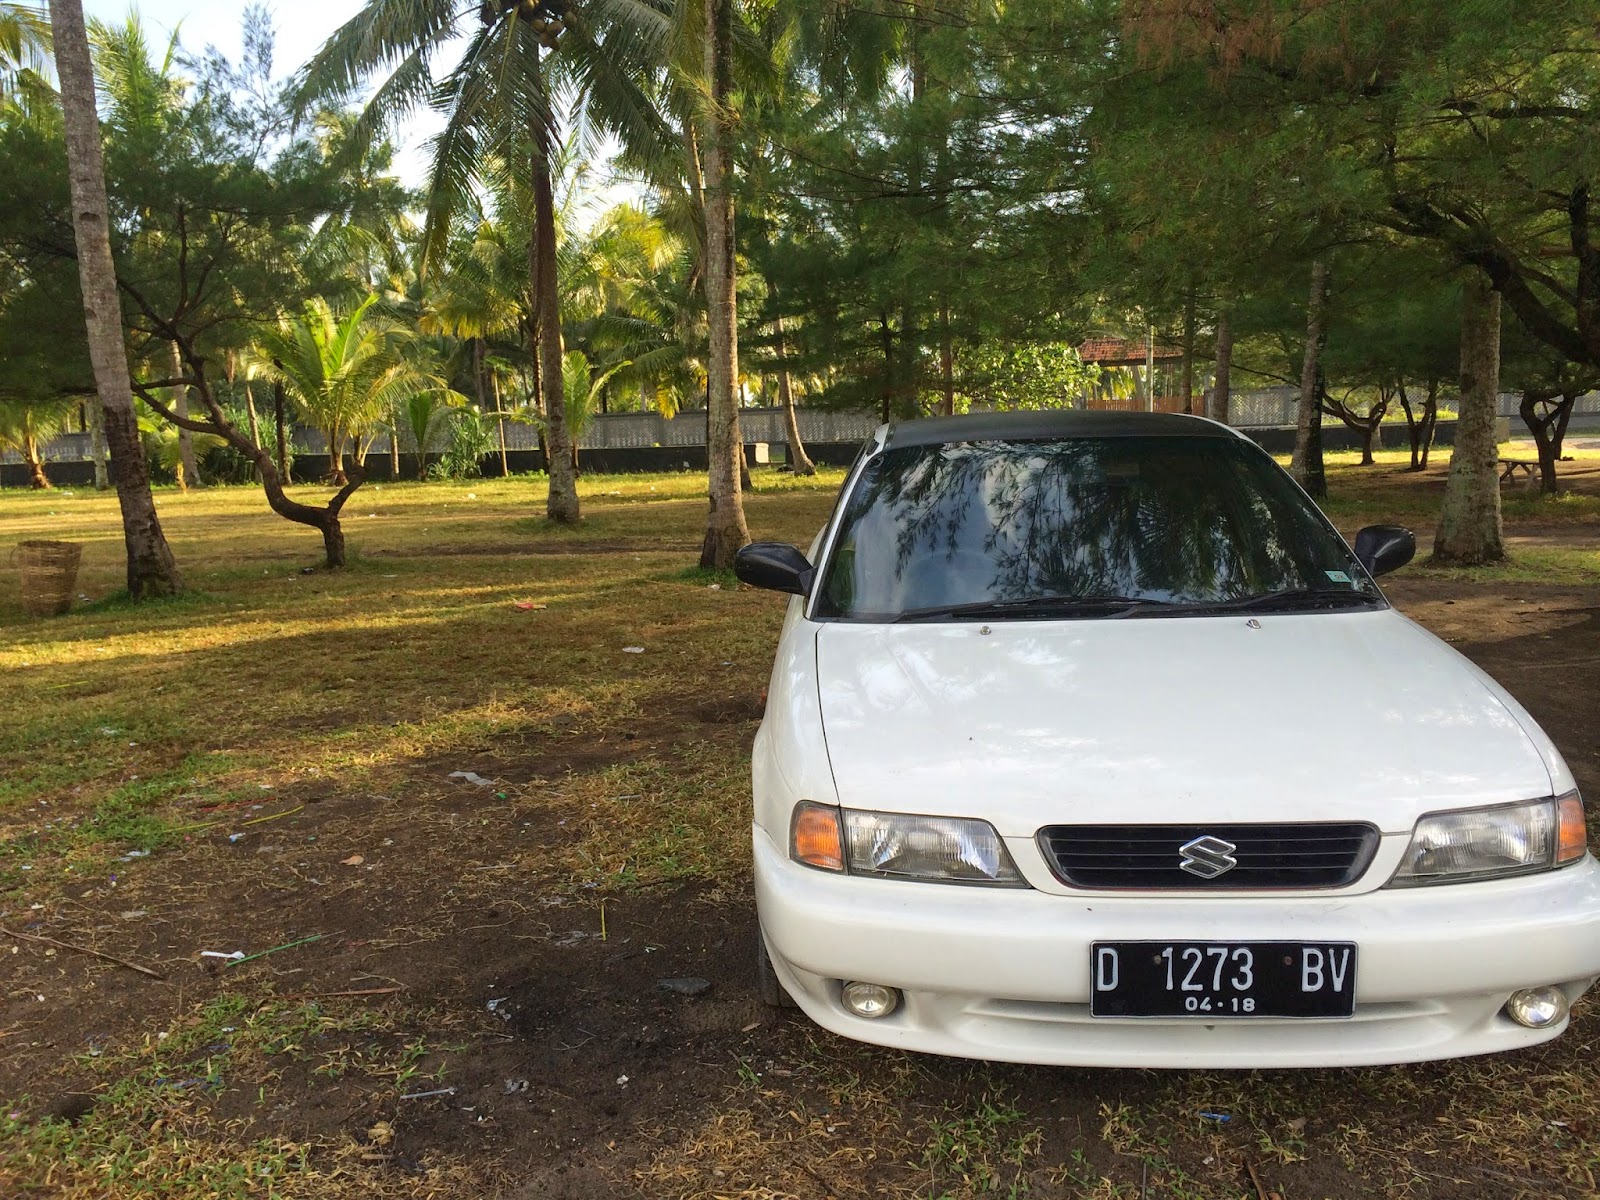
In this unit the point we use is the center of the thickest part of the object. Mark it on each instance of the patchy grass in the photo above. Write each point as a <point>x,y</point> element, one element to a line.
<point>155,1120</point>
<point>273,675</point>
<point>981,1147</point>
<point>270,758</point>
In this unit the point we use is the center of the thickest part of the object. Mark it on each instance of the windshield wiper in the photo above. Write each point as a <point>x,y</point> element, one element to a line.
<point>1290,598</point>
<point>1065,606</point>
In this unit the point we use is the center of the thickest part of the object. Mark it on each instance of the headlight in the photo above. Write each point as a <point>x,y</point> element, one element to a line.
<point>1489,843</point>
<point>901,846</point>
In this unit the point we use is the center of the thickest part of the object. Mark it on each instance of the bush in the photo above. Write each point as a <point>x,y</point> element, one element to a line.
<point>472,437</point>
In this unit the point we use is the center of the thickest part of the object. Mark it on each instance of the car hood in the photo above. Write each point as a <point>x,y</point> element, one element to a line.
<point>1305,717</point>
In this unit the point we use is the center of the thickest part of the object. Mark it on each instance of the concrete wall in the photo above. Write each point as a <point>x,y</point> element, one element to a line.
<point>308,468</point>
<point>1337,436</point>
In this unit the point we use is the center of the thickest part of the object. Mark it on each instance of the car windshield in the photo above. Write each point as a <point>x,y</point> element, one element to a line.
<point>1119,526</point>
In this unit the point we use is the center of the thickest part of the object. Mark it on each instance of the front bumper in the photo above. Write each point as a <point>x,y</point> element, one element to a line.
<point>1005,974</point>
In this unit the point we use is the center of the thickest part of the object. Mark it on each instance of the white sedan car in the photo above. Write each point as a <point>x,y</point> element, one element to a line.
<point>1089,741</point>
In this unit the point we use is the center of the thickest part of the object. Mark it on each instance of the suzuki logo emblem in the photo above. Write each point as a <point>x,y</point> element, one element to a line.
<point>1207,857</point>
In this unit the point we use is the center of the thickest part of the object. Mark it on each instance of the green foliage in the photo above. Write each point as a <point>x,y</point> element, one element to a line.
<point>927,209</point>
<point>425,415</point>
<point>583,387</point>
<point>162,445</point>
<point>347,372</point>
<point>472,438</point>
<point>1028,375</point>
<point>27,422</point>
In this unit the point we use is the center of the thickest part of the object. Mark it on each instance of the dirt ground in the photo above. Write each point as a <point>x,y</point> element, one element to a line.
<point>462,1022</point>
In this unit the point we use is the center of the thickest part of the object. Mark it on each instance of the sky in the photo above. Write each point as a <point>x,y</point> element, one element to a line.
<point>302,26</point>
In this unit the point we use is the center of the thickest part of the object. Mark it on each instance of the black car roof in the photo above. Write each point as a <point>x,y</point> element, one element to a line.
<point>1048,425</point>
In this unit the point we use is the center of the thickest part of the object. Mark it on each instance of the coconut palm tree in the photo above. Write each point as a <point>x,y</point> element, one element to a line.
<point>24,60</point>
<point>346,372</point>
<point>151,567</point>
<point>425,415</point>
<point>583,386</point>
<point>627,300</point>
<point>26,423</point>
<point>145,114</point>
<point>726,531</point>
<point>498,99</point>
<point>368,238</point>
<point>697,49</point>
<point>161,440</point>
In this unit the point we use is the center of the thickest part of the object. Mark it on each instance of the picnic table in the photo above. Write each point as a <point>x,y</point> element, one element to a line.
<point>1510,467</point>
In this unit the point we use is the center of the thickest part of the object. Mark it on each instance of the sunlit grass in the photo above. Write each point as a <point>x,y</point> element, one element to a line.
<point>267,673</point>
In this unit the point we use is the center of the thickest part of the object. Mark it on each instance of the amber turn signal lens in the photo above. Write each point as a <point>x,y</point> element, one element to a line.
<point>1573,842</point>
<point>816,839</point>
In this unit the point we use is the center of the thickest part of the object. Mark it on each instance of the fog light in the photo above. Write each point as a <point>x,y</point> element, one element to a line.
<point>870,1000</point>
<point>1537,1008</point>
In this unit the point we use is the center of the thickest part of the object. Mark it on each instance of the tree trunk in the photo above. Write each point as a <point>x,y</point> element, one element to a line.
<point>744,464</point>
<point>1548,429</point>
<point>336,475</point>
<point>1469,532</point>
<point>725,525</point>
<point>1222,389</point>
<point>250,413</point>
<point>887,391</point>
<point>97,446</point>
<point>35,462</point>
<point>1539,426</point>
<point>909,374</point>
<point>152,571</point>
<point>1186,387</point>
<point>1412,431</point>
<point>394,451</point>
<point>499,408</point>
<point>1306,466</point>
<point>799,461</point>
<point>947,364</point>
<point>1430,419</point>
<point>535,393</point>
<point>332,541</point>
<point>325,518</point>
<point>283,435</point>
<point>561,505</point>
<point>188,469</point>
<point>1558,436</point>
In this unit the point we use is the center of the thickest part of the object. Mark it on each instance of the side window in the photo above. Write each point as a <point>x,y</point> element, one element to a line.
<point>841,581</point>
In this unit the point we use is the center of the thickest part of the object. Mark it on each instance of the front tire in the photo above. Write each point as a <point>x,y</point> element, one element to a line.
<point>771,990</point>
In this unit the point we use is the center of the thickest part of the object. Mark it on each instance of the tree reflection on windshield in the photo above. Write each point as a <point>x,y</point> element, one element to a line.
<point>1185,520</point>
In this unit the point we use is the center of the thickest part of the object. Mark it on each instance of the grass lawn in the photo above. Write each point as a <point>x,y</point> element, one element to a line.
<point>450,988</point>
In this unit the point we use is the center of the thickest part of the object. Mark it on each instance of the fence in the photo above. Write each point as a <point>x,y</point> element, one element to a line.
<point>642,430</point>
<point>1584,406</point>
<point>69,447</point>
<point>1260,409</point>
<point>620,431</point>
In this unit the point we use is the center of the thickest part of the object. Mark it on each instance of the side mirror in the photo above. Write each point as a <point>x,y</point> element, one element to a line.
<point>1384,548</point>
<point>776,566</point>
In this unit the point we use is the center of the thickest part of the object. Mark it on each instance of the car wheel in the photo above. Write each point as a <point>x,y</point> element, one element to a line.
<point>772,991</point>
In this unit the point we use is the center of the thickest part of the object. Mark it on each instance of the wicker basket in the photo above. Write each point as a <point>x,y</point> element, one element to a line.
<point>49,575</point>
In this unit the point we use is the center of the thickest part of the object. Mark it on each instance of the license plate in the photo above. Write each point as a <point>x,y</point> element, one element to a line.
<point>1223,979</point>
